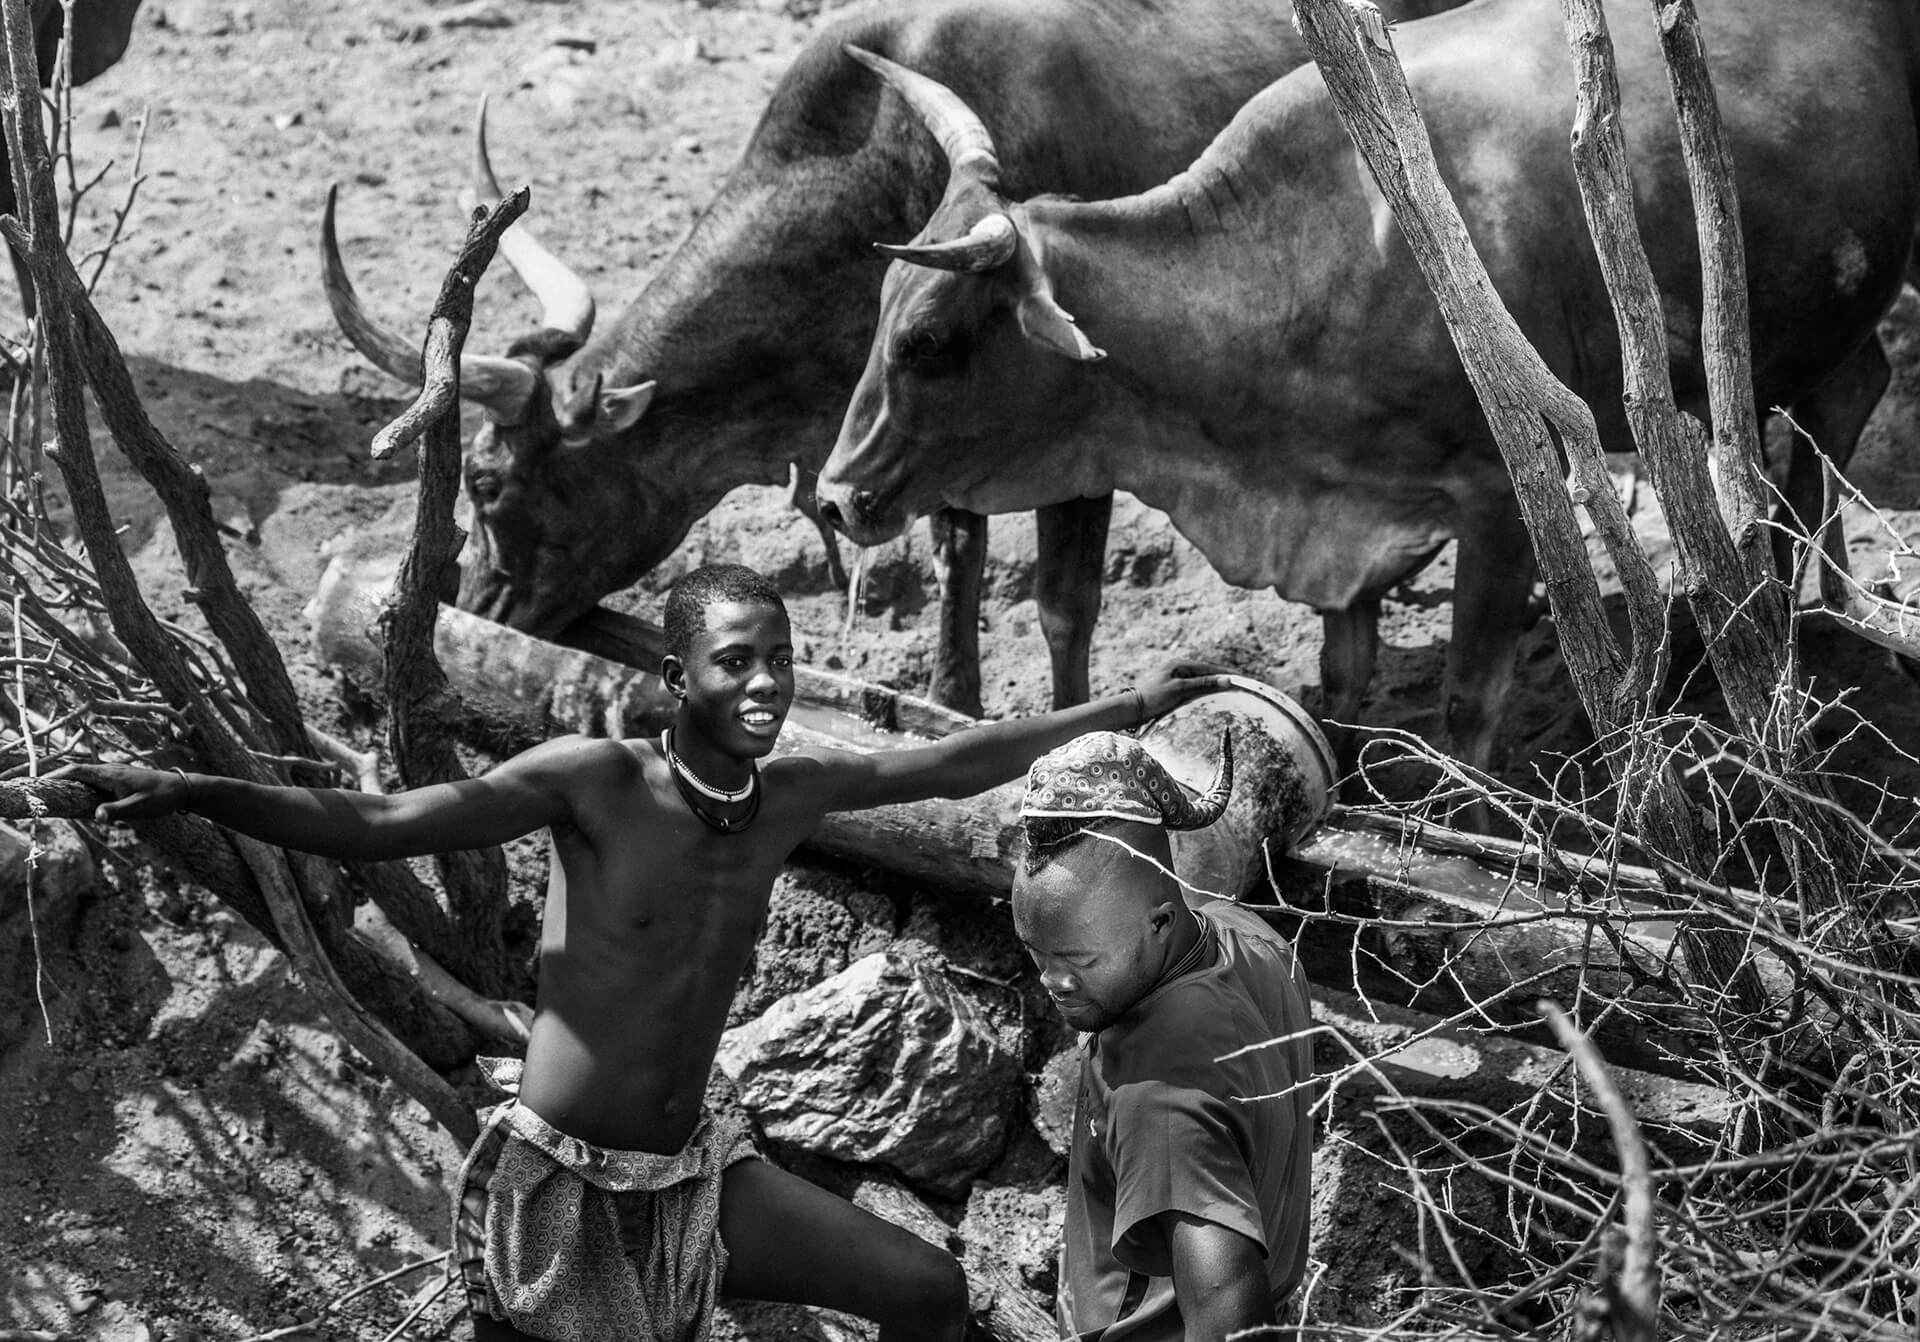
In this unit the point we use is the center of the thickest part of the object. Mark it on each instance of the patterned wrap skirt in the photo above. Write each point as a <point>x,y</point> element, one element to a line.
<point>566,1240</point>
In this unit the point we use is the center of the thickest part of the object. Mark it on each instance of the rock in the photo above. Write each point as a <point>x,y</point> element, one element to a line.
<point>1055,1093</point>
<point>885,1062</point>
<point>1018,1230</point>
<point>205,18</point>
<point>478,14</point>
<point>83,1302</point>
<point>818,923</point>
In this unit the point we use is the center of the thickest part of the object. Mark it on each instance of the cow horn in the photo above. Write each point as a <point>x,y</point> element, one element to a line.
<point>961,134</point>
<point>503,386</point>
<point>385,349</point>
<point>565,301</point>
<point>988,245</point>
<point>1199,812</point>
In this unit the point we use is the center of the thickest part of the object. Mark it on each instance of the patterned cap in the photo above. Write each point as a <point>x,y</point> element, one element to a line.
<point>1107,775</point>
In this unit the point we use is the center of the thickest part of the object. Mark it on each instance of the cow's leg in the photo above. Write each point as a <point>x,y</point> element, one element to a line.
<point>1834,414</point>
<point>1493,578</point>
<point>960,558</point>
<point>1067,575</point>
<point>1349,647</point>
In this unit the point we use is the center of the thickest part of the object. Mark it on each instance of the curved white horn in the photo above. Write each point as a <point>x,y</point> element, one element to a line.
<point>962,135</point>
<point>565,301</point>
<point>988,245</point>
<point>384,348</point>
<point>503,386</point>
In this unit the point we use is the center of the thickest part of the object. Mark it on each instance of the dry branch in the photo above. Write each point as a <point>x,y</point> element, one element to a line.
<point>1803,1220</point>
<point>305,904</point>
<point>1725,566</point>
<point>1877,617</point>
<point>1633,1297</point>
<point>420,706</point>
<point>1529,411</point>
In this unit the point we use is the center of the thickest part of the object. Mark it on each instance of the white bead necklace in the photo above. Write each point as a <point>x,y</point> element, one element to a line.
<point>698,784</point>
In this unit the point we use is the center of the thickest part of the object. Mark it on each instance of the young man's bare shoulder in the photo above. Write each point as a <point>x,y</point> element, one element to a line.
<point>593,761</point>
<point>812,757</point>
<point>817,763</point>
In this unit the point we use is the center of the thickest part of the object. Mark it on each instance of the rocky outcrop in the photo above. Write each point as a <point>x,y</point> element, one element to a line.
<point>885,1062</point>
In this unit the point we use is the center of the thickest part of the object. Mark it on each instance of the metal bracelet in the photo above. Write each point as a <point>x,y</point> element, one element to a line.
<point>189,782</point>
<point>1140,705</point>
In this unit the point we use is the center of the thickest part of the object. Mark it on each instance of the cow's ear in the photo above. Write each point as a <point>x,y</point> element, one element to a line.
<point>1045,322</point>
<point>621,407</point>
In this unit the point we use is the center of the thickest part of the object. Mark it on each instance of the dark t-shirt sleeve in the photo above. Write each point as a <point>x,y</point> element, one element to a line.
<point>1176,1149</point>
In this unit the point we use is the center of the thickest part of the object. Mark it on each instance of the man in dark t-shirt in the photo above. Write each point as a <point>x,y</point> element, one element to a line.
<point>1191,1158</point>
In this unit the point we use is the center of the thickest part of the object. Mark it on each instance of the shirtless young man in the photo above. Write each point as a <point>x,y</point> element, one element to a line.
<point>605,1203</point>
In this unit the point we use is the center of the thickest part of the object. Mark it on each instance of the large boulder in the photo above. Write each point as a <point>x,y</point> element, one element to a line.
<point>885,1062</point>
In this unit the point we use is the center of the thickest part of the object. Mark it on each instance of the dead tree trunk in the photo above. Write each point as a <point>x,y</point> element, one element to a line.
<point>420,704</point>
<point>1721,537</point>
<point>1534,417</point>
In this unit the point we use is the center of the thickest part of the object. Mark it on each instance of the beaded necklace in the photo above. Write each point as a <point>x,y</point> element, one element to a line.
<point>692,788</point>
<point>697,783</point>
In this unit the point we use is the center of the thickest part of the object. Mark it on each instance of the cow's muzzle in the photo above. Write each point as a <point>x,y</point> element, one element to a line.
<point>859,514</point>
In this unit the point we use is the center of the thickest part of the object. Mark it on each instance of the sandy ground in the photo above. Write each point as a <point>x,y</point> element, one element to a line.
<point>191,1154</point>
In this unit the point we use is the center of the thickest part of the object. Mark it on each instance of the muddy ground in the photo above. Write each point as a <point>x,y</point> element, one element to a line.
<point>191,1153</point>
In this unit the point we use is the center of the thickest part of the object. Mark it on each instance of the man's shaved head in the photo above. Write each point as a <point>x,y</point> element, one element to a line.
<point>1097,911</point>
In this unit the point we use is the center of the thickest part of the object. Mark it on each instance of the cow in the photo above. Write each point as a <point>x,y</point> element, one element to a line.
<point>736,359</point>
<point>101,30</point>
<point>1252,348</point>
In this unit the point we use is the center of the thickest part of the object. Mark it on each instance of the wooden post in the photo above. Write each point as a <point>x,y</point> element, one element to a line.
<point>420,706</point>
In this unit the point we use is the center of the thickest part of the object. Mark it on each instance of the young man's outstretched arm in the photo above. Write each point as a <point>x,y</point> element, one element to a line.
<point>981,757</point>
<point>531,791</point>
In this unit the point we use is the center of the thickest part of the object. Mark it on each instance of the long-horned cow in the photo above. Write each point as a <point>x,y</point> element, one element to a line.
<point>736,359</point>
<point>1256,352</point>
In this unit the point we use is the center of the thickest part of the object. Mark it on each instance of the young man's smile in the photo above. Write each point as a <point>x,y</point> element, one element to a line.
<point>736,679</point>
<point>763,719</point>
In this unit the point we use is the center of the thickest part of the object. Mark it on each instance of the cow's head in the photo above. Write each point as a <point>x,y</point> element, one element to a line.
<point>966,369</point>
<point>553,510</point>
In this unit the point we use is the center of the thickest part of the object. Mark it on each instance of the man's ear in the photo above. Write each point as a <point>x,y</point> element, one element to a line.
<point>674,672</point>
<point>1160,917</point>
